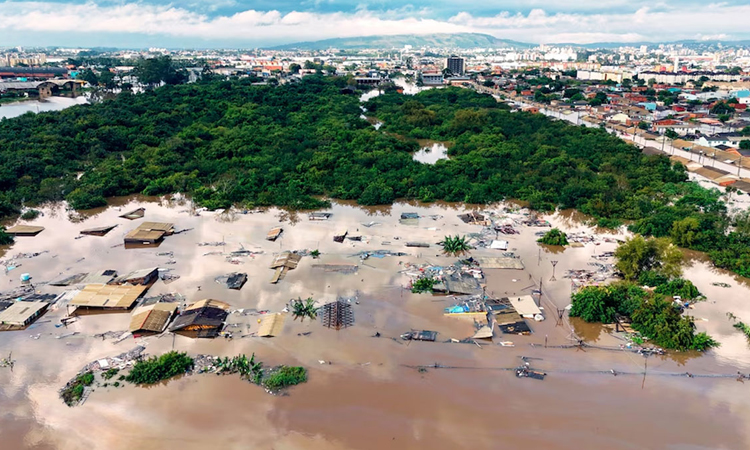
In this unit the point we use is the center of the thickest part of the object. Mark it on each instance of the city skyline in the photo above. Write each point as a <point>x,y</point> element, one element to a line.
<point>240,23</point>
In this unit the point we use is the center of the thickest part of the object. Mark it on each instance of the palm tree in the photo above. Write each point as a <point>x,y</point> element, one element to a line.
<point>455,245</point>
<point>304,309</point>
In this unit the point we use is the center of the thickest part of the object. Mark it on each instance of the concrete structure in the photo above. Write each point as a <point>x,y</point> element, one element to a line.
<point>455,64</point>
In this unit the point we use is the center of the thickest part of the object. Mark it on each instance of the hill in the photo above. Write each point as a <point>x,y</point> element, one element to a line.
<point>442,40</point>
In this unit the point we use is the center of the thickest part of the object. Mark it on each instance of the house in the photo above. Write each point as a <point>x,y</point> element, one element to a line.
<point>142,276</point>
<point>21,314</point>
<point>24,230</point>
<point>107,297</point>
<point>204,318</point>
<point>149,233</point>
<point>153,318</point>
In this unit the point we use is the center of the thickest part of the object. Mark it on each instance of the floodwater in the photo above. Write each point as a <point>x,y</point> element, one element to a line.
<point>16,109</point>
<point>367,397</point>
<point>431,153</point>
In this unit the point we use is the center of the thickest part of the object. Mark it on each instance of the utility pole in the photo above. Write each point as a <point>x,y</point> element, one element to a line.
<point>554,264</point>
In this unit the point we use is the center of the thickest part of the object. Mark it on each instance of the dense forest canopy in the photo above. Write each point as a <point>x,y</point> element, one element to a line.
<point>231,142</point>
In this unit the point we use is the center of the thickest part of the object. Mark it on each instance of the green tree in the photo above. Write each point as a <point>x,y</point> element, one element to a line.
<point>745,144</point>
<point>639,254</point>
<point>455,245</point>
<point>554,237</point>
<point>294,68</point>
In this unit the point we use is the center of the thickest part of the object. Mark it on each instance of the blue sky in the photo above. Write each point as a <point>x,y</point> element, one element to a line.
<point>249,23</point>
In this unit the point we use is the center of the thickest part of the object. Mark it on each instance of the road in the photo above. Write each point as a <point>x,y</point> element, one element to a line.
<point>575,117</point>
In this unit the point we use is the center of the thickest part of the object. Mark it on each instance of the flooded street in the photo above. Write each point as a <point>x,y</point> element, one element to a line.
<point>366,393</point>
<point>16,109</point>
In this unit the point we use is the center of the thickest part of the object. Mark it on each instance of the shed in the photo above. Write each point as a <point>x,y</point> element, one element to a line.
<point>21,314</point>
<point>283,263</point>
<point>104,296</point>
<point>153,318</point>
<point>24,230</point>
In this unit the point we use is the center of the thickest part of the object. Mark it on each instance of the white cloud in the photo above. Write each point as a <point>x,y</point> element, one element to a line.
<point>657,22</point>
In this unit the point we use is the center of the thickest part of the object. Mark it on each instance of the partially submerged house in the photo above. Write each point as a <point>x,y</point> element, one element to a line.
<point>21,314</point>
<point>272,325</point>
<point>106,297</point>
<point>141,276</point>
<point>98,231</point>
<point>274,234</point>
<point>202,319</point>
<point>24,230</point>
<point>319,216</point>
<point>135,214</point>
<point>153,318</point>
<point>149,233</point>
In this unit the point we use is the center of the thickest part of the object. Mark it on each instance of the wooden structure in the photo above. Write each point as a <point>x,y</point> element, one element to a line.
<point>134,214</point>
<point>283,263</point>
<point>337,314</point>
<point>204,318</point>
<point>108,297</point>
<point>24,230</point>
<point>274,233</point>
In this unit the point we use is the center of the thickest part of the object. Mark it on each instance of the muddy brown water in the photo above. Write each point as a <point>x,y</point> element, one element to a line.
<point>367,397</point>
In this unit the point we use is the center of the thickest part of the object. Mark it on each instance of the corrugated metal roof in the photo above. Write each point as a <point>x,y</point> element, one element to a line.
<point>19,312</point>
<point>208,302</point>
<point>153,317</point>
<point>108,296</point>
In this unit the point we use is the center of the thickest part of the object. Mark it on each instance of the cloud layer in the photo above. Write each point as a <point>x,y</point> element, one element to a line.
<point>206,23</point>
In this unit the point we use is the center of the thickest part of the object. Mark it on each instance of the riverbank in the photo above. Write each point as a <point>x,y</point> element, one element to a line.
<point>363,395</point>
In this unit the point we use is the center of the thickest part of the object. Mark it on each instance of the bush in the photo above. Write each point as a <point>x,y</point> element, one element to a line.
<point>30,214</point>
<point>680,287</point>
<point>554,237</point>
<point>73,391</point>
<point>423,285</point>
<point>5,238</point>
<point>110,373</point>
<point>285,376</point>
<point>155,369</point>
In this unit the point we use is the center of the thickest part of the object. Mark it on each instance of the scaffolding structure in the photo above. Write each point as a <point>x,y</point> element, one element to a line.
<point>337,314</point>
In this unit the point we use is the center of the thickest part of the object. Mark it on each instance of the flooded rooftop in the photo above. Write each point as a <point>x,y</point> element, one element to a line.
<point>363,391</point>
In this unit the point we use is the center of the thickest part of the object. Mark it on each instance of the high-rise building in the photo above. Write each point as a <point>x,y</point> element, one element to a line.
<point>455,64</point>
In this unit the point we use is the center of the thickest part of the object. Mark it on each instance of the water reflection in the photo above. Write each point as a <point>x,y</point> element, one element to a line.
<point>10,110</point>
<point>431,154</point>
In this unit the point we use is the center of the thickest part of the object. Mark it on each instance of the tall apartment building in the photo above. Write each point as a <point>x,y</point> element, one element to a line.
<point>455,64</point>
